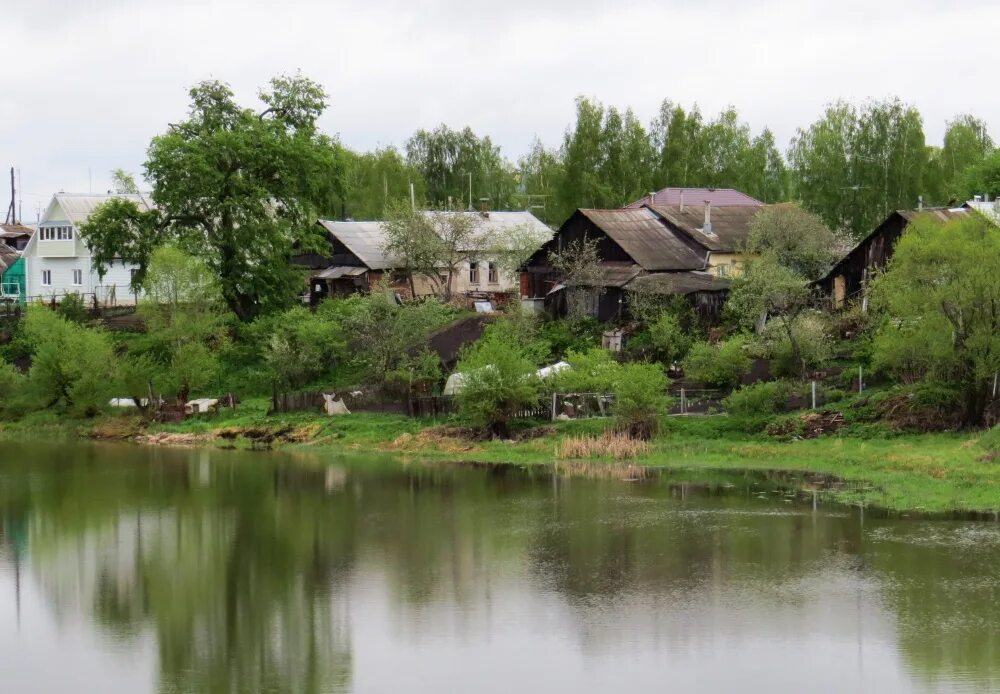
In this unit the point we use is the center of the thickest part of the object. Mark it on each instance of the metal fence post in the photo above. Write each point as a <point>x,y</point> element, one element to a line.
<point>683,403</point>
<point>814,394</point>
<point>861,379</point>
<point>554,397</point>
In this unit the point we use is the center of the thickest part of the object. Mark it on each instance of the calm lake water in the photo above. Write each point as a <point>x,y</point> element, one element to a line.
<point>126,570</point>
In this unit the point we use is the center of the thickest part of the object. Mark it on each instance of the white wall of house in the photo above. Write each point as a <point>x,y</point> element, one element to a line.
<point>503,281</point>
<point>55,267</point>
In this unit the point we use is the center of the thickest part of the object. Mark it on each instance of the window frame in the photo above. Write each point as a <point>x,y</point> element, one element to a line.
<point>77,273</point>
<point>473,272</point>
<point>492,273</point>
<point>46,278</point>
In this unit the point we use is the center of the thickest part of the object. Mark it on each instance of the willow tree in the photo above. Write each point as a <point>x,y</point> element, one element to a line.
<point>233,186</point>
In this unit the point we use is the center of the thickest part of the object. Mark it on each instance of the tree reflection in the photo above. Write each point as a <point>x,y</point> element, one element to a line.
<point>242,566</point>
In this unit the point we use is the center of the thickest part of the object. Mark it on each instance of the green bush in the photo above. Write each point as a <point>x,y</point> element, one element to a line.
<point>668,338</point>
<point>593,371</point>
<point>813,343</point>
<point>500,379</point>
<point>640,399</point>
<point>564,335</point>
<point>12,383</point>
<point>72,366</point>
<point>72,308</point>
<point>721,365</point>
<point>300,346</point>
<point>759,399</point>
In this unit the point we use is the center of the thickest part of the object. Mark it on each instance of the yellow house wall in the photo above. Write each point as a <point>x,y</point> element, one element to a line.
<point>726,264</point>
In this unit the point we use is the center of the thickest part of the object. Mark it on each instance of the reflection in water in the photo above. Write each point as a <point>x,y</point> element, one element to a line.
<point>187,571</point>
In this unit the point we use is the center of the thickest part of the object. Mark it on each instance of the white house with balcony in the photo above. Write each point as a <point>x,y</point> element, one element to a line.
<point>58,262</point>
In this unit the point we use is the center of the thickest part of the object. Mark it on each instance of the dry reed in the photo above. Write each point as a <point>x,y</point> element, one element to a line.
<point>611,444</point>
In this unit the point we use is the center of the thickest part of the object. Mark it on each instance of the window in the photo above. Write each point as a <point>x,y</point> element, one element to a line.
<point>46,278</point>
<point>473,273</point>
<point>722,270</point>
<point>77,278</point>
<point>494,276</point>
<point>56,233</point>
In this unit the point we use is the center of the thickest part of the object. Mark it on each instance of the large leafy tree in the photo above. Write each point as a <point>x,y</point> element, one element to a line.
<point>797,238</point>
<point>940,295</point>
<point>981,179</point>
<point>541,172</point>
<point>372,180</point>
<point>446,159</point>
<point>234,186</point>
<point>854,165</point>
<point>967,144</point>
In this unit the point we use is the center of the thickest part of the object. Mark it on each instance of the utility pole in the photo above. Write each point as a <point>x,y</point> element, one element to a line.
<point>12,210</point>
<point>470,191</point>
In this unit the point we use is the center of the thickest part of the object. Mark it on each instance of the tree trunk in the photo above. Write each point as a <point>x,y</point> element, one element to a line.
<point>975,404</point>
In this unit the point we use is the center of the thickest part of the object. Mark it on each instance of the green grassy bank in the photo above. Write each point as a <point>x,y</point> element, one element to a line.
<point>900,472</point>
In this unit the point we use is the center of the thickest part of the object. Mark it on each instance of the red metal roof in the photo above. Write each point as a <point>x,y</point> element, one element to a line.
<point>697,196</point>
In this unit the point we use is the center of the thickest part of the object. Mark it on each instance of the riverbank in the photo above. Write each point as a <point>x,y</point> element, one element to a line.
<point>933,473</point>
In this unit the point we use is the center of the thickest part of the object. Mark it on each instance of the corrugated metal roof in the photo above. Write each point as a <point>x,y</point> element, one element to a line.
<point>698,196</point>
<point>646,239</point>
<point>679,283</point>
<point>366,240</point>
<point>78,207</point>
<point>730,224</point>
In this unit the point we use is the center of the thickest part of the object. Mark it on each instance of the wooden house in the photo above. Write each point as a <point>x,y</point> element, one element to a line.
<point>696,247</point>
<point>849,278</point>
<point>357,260</point>
<point>722,230</point>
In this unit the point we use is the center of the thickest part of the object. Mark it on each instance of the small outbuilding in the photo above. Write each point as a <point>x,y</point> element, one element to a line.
<point>849,278</point>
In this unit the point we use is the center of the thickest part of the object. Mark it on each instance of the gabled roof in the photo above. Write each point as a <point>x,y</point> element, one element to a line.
<point>697,197</point>
<point>366,240</point>
<point>79,206</point>
<point>942,214</point>
<point>645,238</point>
<point>730,224</point>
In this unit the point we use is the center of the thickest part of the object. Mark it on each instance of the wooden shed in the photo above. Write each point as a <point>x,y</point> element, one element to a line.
<point>848,279</point>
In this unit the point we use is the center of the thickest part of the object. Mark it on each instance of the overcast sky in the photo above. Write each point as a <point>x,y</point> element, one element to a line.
<point>86,83</point>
